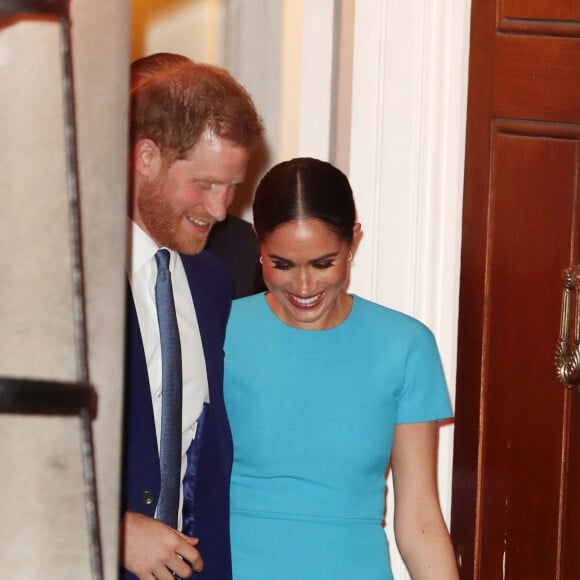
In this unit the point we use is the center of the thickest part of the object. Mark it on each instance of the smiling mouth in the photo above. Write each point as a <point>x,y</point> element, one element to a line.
<point>201,224</point>
<point>305,303</point>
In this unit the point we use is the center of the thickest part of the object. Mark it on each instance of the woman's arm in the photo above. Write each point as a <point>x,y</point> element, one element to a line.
<point>420,531</point>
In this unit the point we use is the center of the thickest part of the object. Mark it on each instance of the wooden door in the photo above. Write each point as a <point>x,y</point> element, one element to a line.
<point>516,478</point>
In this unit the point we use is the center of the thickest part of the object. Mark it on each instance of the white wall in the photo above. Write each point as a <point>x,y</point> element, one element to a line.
<point>188,27</point>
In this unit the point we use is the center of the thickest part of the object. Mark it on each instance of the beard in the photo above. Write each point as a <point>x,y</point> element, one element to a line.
<point>163,222</point>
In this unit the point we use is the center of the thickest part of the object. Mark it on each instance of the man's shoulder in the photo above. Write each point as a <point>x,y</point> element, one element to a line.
<point>204,263</point>
<point>234,226</point>
<point>232,237</point>
<point>209,278</point>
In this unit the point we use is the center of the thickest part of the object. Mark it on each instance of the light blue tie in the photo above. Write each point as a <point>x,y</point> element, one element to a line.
<point>171,373</point>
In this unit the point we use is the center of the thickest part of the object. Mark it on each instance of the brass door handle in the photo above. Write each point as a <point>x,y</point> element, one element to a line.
<point>567,359</point>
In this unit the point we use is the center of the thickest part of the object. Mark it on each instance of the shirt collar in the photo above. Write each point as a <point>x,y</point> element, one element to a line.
<point>143,249</point>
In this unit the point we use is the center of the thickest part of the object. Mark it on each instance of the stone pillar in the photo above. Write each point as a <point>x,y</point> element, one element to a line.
<point>43,528</point>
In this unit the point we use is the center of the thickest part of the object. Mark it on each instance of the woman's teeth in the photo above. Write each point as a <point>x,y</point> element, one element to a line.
<point>306,301</point>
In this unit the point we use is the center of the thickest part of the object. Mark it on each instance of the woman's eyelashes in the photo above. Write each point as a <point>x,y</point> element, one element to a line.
<point>279,264</point>
<point>323,264</point>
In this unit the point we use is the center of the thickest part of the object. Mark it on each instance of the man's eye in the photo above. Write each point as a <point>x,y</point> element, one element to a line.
<point>204,184</point>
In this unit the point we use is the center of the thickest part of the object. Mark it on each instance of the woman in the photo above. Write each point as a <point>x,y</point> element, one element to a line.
<point>323,388</point>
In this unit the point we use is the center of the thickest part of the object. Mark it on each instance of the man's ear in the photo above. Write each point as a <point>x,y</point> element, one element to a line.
<point>146,158</point>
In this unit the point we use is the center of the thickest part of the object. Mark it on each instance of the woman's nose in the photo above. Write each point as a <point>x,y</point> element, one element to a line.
<point>304,281</point>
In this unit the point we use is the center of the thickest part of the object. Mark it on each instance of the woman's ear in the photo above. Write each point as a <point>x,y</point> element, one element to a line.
<point>146,157</point>
<point>356,237</point>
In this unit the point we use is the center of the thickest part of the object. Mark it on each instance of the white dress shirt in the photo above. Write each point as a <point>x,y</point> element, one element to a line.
<point>142,273</point>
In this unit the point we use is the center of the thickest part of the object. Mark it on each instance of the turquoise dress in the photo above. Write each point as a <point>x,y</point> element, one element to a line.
<point>313,414</point>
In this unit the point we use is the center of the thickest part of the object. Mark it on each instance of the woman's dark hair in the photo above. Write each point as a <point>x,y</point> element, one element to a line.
<point>304,188</point>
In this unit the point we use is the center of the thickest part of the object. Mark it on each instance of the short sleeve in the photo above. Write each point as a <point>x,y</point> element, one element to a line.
<point>424,395</point>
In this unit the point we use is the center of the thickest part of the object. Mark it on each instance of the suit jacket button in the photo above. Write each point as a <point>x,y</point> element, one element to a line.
<point>147,497</point>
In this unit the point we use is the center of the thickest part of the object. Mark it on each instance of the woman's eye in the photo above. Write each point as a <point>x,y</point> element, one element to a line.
<point>323,264</point>
<point>282,265</point>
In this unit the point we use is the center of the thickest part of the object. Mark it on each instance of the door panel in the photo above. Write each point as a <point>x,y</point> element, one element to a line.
<point>571,491</point>
<point>563,10</point>
<point>516,498</point>
<point>523,402</point>
<point>537,78</point>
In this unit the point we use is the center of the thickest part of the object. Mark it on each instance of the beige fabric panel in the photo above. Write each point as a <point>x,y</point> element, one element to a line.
<point>43,529</point>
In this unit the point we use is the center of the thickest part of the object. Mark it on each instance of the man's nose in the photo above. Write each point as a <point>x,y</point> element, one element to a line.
<point>217,202</point>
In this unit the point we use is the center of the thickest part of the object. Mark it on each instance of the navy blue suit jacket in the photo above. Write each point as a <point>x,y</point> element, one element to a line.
<point>206,496</point>
<point>235,242</point>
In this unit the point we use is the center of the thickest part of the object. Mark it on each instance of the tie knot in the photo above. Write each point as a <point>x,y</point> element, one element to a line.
<point>162,258</point>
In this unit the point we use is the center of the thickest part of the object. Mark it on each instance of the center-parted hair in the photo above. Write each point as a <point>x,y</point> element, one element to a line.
<point>175,100</point>
<point>304,188</point>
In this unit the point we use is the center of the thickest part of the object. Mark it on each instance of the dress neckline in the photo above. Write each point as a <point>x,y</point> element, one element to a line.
<point>338,326</point>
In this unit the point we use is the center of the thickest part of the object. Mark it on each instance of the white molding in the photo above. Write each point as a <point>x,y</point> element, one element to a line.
<point>316,79</point>
<point>406,166</point>
<point>290,78</point>
<point>366,145</point>
<point>252,52</point>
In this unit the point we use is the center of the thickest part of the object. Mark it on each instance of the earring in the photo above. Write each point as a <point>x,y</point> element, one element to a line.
<point>261,260</point>
<point>349,258</point>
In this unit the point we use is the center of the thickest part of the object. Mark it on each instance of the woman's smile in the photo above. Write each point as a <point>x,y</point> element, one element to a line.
<point>306,268</point>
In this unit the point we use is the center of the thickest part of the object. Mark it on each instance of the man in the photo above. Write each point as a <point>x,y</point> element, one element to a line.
<point>192,131</point>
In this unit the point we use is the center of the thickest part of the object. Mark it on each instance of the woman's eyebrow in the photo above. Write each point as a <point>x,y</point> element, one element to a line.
<point>317,259</point>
